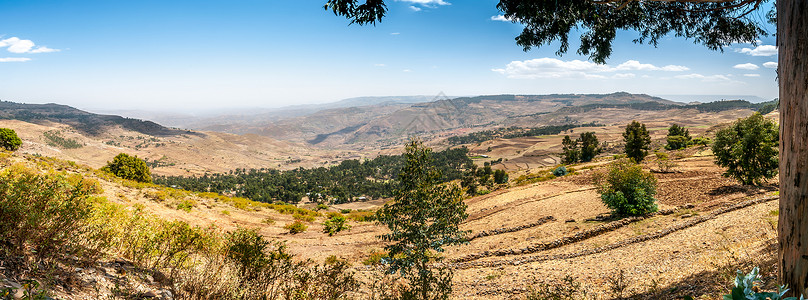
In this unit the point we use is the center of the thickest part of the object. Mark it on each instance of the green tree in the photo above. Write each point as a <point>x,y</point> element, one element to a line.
<point>571,152</point>
<point>9,139</point>
<point>589,146</point>
<point>129,167</point>
<point>627,189</point>
<point>748,149</point>
<point>678,137</point>
<point>713,23</point>
<point>500,177</point>
<point>423,218</point>
<point>637,140</point>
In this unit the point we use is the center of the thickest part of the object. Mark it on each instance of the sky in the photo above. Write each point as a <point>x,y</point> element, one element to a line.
<point>182,55</point>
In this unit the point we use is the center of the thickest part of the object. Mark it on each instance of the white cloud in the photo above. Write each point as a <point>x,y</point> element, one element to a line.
<point>415,8</point>
<point>747,66</point>
<point>501,18</point>
<point>379,65</point>
<point>624,75</point>
<point>395,33</point>
<point>751,75</point>
<point>555,68</point>
<point>770,65</point>
<point>418,4</point>
<point>710,78</point>
<point>14,59</point>
<point>16,45</point>
<point>406,70</point>
<point>762,50</point>
<point>634,65</point>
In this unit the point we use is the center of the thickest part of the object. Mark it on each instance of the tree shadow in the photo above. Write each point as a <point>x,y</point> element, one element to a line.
<point>749,190</point>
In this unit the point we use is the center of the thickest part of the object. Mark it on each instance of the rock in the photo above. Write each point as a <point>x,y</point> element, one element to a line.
<point>150,294</point>
<point>685,216</point>
<point>166,294</point>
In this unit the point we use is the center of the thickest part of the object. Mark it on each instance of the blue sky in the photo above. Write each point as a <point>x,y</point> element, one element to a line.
<point>193,55</point>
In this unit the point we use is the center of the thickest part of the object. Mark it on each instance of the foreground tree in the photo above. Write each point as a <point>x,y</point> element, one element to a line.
<point>748,149</point>
<point>713,23</point>
<point>637,140</point>
<point>571,152</point>
<point>9,139</point>
<point>129,167</point>
<point>423,218</point>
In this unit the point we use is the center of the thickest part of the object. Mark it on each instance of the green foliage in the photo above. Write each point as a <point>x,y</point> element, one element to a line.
<point>423,219</point>
<point>186,205</point>
<point>637,140</point>
<point>335,224</point>
<point>55,139</point>
<point>571,151</point>
<point>746,289</point>
<point>296,227</point>
<point>767,107</point>
<point>340,183</point>
<point>664,163</point>
<point>701,141</point>
<point>9,139</point>
<point>627,189</point>
<point>321,206</point>
<point>678,137</point>
<point>748,149</point>
<point>589,146</point>
<point>560,171</point>
<point>514,132</point>
<point>345,210</point>
<point>129,167</point>
<point>500,176</point>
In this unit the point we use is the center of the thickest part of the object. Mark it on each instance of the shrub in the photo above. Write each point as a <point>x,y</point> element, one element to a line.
<point>567,289</point>
<point>678,137</point>
<point>42,213</point>
<point>664,164</point>
<point>627,189</point>
<point>129,167</point>
<point>703,141</point>
<point>321,206</point>
<point>345,210</point>
<point>296,227</point>
<point>637,140</point>
<point>302,217</point>
<point>560,171</point>
<point>748,149</point>
<point>746,288</point>
<point>335,224</point>
<point>9,139</point>
<point>186,205</point>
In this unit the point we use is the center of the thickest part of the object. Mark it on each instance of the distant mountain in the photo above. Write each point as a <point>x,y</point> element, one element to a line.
<point>223,118</point>
<point>712,98</point>
<point>391,120</point>
<point>86,122</point>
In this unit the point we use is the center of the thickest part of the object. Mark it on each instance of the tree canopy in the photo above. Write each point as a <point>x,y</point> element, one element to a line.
<point>713,23</point>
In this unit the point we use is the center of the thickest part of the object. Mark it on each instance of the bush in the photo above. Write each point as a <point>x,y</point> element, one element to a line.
<point>748,149</point>
<point>345,210</point>
<point>9,139</point>
<point>678,137</point>
<point>296,227</point>
<point>560,171</point>
<point>321,206</point>
<point>335,224</point>
<point>627,189</point>
<point>701,141</point>
<point>43,214</point>
<point>129,167</point>
<point>746,288</point>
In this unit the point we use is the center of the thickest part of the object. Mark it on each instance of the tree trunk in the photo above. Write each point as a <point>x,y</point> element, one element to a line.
<point>792,40</point>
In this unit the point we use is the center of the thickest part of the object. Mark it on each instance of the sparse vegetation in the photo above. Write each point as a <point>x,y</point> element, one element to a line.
<point>56,139</point>
<point>748,149</point>
<point>514,132</point>
<point>9,139</point>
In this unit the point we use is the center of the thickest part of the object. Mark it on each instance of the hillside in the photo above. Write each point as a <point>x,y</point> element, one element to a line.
<point>523,236</point>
